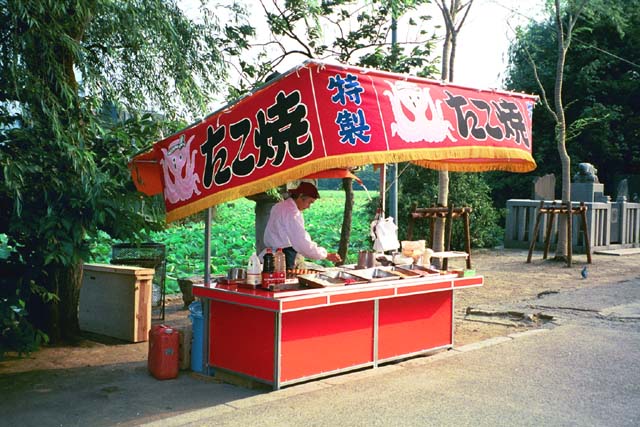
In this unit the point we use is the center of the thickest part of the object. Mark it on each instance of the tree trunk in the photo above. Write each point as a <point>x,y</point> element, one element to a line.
<point>563,239</point>
<point>452,56</point>
<point>446,45</point>
<point>562,248</point>
<point>59,318</point>
<point>443,176</point>
<point>443,200</point>
<point>264,203</point>
<point>450,15</point>
<point>262,212</point>
<point>345,232</point>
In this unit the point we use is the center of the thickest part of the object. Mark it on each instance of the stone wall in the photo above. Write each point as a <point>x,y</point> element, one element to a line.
<point>620,220</point>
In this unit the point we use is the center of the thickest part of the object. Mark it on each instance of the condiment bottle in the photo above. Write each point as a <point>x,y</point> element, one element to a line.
<point>268,268</point>
<point>280,268</point>
<point>253,270</point>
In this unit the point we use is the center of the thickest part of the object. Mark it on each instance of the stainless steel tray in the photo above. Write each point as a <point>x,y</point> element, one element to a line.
<point>330,278</point>
<point>375,274</point>
<point>407,273</point>
<point>416,269</point>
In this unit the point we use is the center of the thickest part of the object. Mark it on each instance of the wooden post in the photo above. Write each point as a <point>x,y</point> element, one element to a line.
<point>467,235</point>
<point>411,221</point>
<point>432,230</point>
<point>535,232</point>
<point>436,212</point>
<point>587,243</point>
<point>448,226</point>
<point>551,212</point>
<point>547,237</point>
<point>569,233</point>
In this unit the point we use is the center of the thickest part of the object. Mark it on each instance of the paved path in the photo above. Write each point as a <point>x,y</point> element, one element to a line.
<point>583,372</point>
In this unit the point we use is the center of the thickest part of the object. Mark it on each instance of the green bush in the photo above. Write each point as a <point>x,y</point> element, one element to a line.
<point>420,186</point>
<point>232,236</point>
<point>16,288</point>
<point>232,230</point>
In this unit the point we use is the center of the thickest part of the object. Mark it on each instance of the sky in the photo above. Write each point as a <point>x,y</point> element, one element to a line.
<point>482,43</point>
<point>485,38</point>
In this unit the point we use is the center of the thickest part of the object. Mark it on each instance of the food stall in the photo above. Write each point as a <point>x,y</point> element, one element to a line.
<point>298,333</point>
<point>313,118</point>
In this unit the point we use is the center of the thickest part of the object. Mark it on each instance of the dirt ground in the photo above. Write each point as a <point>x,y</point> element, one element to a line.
<point>508,279</point>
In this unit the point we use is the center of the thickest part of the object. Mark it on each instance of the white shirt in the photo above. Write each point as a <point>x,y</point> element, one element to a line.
<point>285,228</point>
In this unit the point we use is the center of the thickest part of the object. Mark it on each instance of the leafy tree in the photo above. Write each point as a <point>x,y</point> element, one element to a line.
<point>16,332</point>
<point>563,32</point>
<point>63,175</point>
<point>453,24</point>
<point>601,80</point>
<point>351,32</point>
<point>599,77</point>
<point>420,186</point>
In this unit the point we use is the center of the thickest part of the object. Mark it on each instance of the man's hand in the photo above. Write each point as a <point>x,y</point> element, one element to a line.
<point>334,258</point>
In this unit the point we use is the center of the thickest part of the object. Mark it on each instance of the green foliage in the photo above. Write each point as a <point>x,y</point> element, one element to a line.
<point>420,186</point>
<point>233,227</point>
<point>370,179</point>
<point>324,221</point>
<point>162,55</point>
<point>232,240</point>
<point>63,148</point>
<point>601,88</point>
<point>350,32</point>
<point>16,332</point>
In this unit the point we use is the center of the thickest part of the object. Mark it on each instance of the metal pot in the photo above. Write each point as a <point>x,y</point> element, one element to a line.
<point>366,259</point>
<point>237,274</point>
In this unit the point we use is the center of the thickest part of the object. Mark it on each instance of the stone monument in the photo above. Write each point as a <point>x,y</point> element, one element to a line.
<point>622,194</point>
<point>586,187</point>
<point>544,187</point>
<point>586,173</point>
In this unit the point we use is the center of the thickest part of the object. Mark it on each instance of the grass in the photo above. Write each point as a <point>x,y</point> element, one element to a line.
<point>233,236</point>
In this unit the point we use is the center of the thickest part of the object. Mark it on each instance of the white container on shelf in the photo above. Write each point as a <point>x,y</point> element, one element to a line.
<point>254,270</point>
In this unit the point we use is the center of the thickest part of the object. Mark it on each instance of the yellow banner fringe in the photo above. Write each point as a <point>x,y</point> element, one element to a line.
<point>454,159</point>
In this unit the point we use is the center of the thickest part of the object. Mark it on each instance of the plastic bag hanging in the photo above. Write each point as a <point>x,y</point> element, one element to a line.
<point>384,233</point>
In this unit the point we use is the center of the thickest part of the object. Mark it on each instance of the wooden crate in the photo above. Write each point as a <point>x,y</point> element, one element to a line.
<point>115,300</point>
<point>184,358</point>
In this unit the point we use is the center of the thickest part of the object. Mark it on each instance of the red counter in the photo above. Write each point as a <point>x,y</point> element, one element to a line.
<point>285,337</point>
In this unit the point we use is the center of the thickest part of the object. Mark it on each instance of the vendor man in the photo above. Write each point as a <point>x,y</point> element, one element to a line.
<point>285,228</point>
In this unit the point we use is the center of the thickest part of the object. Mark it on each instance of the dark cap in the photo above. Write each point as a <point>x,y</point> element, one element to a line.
<point>305,189</point>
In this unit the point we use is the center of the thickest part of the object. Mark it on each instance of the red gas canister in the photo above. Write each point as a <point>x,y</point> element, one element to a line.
<point>164,343</point>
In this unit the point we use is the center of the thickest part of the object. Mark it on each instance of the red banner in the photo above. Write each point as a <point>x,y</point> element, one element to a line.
<point>320,116</point>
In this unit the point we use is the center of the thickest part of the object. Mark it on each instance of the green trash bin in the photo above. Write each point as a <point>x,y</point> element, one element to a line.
<point>146,255</point>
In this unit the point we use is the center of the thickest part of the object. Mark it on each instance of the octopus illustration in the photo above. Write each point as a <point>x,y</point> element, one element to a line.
<point>178,165</point>
<point>418,102</point>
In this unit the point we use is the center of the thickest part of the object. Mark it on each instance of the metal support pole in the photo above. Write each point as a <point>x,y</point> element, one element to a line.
<point>393,167</point>
<point>383,186</point>
<point>207,248</point>
<point>207,282</point>
<point>393,192</point>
